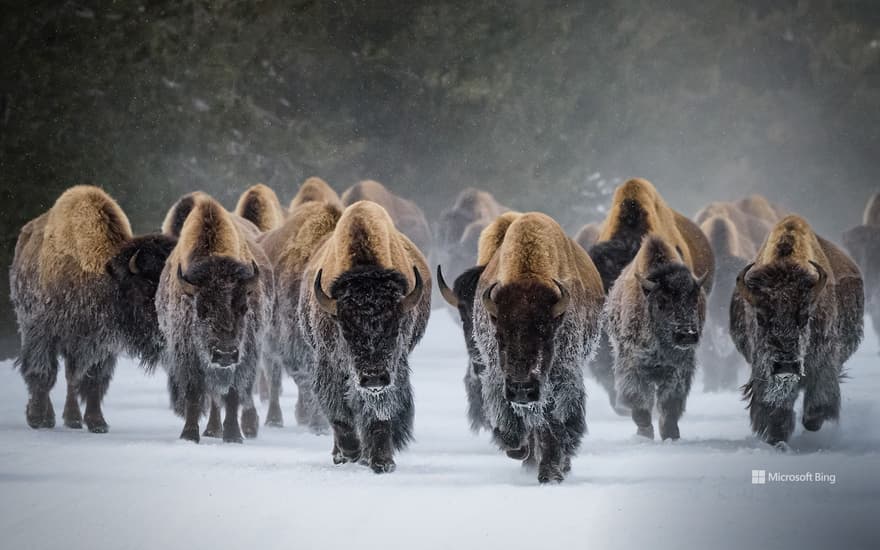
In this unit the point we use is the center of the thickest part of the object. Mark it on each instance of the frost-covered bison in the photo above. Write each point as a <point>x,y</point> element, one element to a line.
<point>315,189</point>
<point>863,243</point>
<point>407,216</point>
<point>656,310</point>
<point>536,323</point>
<point>364,309</point>
<point>796,317</point>
<point>83,288</point>
<point>289,248</point>
<point>461,297</point>
<point>638,210</point>
<point>212,303</point>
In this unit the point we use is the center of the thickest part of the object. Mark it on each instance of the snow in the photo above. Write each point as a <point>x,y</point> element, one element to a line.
<point>140,487</point>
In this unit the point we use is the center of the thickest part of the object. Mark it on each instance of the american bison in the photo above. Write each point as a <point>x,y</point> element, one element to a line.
<point>315,189</point>
<point>796,317</point>
<point>863,243</point>
<point>407,216</point>
<point>461,297</point>
<point>638,210</point>
<point>749,227</point>
<point>588,235</point>
<point>364,308</point>
<point>535,324</point>
<point>212,303</point>
<point>260,206</point>
<point>178,212</point>
<point>83,288</point>
<point>289,249</point>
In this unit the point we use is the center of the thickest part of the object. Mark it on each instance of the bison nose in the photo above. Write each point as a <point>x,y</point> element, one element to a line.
<point>522,393</point>
<point>224,358</point>
<point>789,366</point>
<point>375,380</point>
<point>686,337</point>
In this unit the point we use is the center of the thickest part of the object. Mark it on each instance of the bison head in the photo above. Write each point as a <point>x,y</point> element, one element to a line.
<point>783,297</point>
<point>461,297</point>
<point>369,305</point>
<point>135,271</point>
<point>675,303</point>
<point>526,316</point>
<point>221,290</point>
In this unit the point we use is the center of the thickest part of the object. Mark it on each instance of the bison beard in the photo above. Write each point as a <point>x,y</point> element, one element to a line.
<point>370,330</point>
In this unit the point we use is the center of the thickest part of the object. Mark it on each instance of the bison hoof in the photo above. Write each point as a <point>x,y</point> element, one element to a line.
<point>519,454</point>
<point>344,458</point>
<point>233,437</point>
<point>73,421</point>
<point>646,432</point>
<point>190,433</point>
<point>212,432</point>
<point>37,415</point>
<point>383,466</point>
<point>97,425</point>
<point>549,474</point>
<point>813,424</point>
<point>274,423</point>
<point>250,423</point>
<point>566,465</point>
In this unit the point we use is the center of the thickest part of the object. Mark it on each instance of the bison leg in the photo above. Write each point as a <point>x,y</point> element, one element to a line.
<point>378,446</point>
<point>330,386</point>
<point>473,386</point>
<point>192,412</point>
<point>231,429</point>
<point>308,410</point>
<point>671,398</point>
<point>214,428</point>
<point>274,416</point>
<point>93,386</point>
<point>346,445</point>
<point>71,415</point>
<point>263,385</point>
<point>638,394</point>
<point>250,419</point>
<point>821,397</point>
<point>601,367</point>
<point>39,368</point>
<point>552,460</point>
<point>773,423</point>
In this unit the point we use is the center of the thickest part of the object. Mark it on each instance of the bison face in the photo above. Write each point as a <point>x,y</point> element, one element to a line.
<point>369,305</point>
<point>526,317</point>
<point>783,298</point>
<point>135,271</point>
<point>676,305</point>
<point>220,289</point>
<point>863,243</point>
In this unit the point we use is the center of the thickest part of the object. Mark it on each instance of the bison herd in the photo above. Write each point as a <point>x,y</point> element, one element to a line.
<point>335,291</point>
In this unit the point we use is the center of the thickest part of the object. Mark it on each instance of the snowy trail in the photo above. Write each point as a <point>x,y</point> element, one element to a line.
<point>139,487</point>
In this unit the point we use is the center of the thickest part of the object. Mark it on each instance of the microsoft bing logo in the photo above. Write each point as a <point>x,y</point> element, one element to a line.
<point>759,477</point>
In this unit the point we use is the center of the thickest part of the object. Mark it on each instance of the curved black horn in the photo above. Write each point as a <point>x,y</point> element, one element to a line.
<point>188,286</point>
<point>702,279</point>
<point>561,305</point>
<point>743,288</point>
<point>412,299</point>
<point>647,284</point>
<point>132,263</point>
<point>327,303</point>
<point>820,283</point>
<point>488,303</point>
<point>447,293</point>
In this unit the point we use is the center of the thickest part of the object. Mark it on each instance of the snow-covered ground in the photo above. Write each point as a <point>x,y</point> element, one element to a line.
<point>140,487</point>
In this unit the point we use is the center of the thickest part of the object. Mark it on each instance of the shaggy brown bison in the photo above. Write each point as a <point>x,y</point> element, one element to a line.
<point>289,249</point>
<point>656,310</point>
<point>638,210</point>
<point>260,206</point>
<point>364,309</point>
<point>796,317</point>
<point>178,212</point>
<point>212,303</point>
<point>461,297</point>
<point>315,189</point>
<point>83,288</point>
<point>863,243</point>
<point>407,216</point>
<point>751,229</point>
<point>535,324</point>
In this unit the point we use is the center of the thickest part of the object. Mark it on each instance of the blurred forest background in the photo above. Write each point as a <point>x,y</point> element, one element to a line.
<point>545,104</point>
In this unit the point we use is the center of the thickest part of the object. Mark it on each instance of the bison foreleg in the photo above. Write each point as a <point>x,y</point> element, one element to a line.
<point>378,446</point>
<point>192,410</point>
<point>671,398</point>
<point>274,416</point>
<point>552,461</point>
<point>773,423</point>
<point>821,396</point>
<point>231,429</point>
<point>71,415</point>
<point>214,427</point>
<point>473,386</point>
<point>93,386</point>
<point>636,393</point>
<point>39,368</point>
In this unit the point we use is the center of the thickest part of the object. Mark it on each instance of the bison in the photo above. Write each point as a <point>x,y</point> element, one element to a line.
<point>83,288</point>
<point>289,248</point>
<point>315,189</point>
<point>212,303</point>
<point>408,217</point>
<point>752,230</point>
<point>535,324</point>
<point>260,206</point>
<point>638,210</point>
<point>588,235</point>
<point>796,317</point>
<point>178,212</point>
<point>364,309</point>
<point>863,243</point>
<point>656,310</point>
<point>461,297</point>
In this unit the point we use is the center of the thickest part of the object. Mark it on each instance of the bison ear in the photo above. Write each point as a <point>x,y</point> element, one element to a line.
<point>489,303</point>
<point>188,286</point>
<point>820,282</point>
<point>327,303</point>
<point>743,288</point>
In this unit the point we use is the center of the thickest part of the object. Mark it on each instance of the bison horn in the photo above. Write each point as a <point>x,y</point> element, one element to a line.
<point>702,280</point>
<point>132,263</point>
<point>188,286</point>
<point>447,293</point>
<point>561,305</point>
<point>647,284</point>
<point>412,299</point>
<point>256,271</point>
<point>488,303</point>
<point>327,303</point>
<point>741,286</point>
<point>820,283</point>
